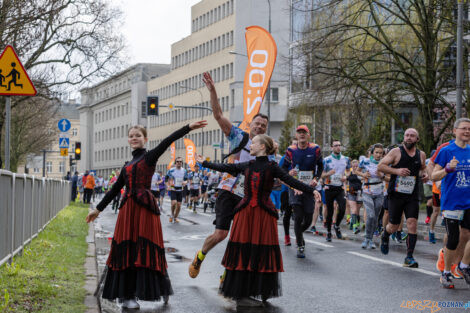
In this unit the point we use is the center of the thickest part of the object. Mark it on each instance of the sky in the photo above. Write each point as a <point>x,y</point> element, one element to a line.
<point>151,26</point>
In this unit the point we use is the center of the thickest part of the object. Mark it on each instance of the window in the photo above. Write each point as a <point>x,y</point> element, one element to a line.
<point>274,94</point>
<point>48,166</point>
<point>36,170</point>
<point>74,132</point>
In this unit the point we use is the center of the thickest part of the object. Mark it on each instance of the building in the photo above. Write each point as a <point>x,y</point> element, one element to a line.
<point>108,109</point>
<point>50,162</point>
<point>217,45</point>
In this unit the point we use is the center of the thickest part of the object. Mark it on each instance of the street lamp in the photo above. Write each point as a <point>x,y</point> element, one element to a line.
<point>202,101</point>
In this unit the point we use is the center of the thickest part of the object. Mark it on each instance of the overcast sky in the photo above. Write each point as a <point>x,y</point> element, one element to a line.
<point>151,26</point>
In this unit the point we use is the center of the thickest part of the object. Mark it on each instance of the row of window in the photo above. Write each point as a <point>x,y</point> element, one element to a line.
<point>183,114</point>
<point>111,113</point>
<point>111,90</point>
<point>112,154</point>
<point>218,74</point>
<point>111,133</point>
<point>203,50</point>
<point>49,167</point>
<point>212,16</point>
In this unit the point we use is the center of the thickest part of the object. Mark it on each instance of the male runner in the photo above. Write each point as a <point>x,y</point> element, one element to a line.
<point>405,164</point>
<point>230,188</point>
<point>178,178</point>
<point>304,161</point>
<point>335,166</point>
<point>452,166</point>
<point>195,179</point>
<point>154,188</point>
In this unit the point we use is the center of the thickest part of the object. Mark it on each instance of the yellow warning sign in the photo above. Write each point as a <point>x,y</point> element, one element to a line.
<point>64,151</point>
<point>14,81</point>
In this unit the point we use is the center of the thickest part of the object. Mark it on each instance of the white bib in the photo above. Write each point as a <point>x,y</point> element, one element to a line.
<point>239,189</point>
<point>376,188</point>
<point>336,180</point>
<point>306,177</point>
<point>455,215</point>
<point>405,184</point>
<point>178,181</point>
<point>195,180</point>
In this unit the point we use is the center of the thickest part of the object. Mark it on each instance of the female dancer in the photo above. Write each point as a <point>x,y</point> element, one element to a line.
<point>253,258</point>
<point>137,266</point>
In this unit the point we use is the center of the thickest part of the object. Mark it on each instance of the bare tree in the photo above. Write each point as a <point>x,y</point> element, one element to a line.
<point>61,43</point>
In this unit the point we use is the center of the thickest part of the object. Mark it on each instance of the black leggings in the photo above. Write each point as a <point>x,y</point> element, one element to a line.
<point>286,218</point>
<point>87,196</point>
<point>302,222</point>
<point>331,195</point>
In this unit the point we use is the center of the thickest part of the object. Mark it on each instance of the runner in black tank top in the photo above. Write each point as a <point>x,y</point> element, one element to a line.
<point>404,164</point>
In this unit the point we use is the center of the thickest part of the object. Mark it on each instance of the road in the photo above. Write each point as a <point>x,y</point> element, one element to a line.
<point>334,277</point>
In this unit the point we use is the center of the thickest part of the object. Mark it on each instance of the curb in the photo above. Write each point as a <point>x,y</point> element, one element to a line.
<point>91,271</point>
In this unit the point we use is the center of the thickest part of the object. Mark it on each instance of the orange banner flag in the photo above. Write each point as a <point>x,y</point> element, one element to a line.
<point>190,153</point>
<point>262,53</point>
<point>173,155</point>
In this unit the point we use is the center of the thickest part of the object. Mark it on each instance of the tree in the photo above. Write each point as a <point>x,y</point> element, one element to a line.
<point>389,53</point>
<point>62,44</point>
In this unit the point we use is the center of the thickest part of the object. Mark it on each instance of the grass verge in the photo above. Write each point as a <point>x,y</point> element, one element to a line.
<point>50,275</point>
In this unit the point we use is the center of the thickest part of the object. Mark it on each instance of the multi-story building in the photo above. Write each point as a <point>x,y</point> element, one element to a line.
<point>217,45</point>
<point>50,162</point>
<point>108,109</point>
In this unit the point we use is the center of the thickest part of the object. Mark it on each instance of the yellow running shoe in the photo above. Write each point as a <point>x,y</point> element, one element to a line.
<point>195,266</point>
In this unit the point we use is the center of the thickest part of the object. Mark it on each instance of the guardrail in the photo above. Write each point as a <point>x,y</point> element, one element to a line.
<point>27,205</point>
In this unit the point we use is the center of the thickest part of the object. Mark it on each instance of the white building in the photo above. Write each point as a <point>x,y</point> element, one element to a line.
<point>108,110</point>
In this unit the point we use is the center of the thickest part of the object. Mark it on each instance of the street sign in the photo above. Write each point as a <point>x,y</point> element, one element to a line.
<point>64,142</point>
<point>64,125</point>
<point>216,145</point>
<point>14,81</point>
<point>64,151</point>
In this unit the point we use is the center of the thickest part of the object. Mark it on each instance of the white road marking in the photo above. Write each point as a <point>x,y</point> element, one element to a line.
<point>316,243</point>
<point>393,263</point>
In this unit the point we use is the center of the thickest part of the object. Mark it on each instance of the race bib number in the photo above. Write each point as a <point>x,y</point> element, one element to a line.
<point>377,186</point>
<point>405,184</point>
<point>306,176</point>
<point>178,181</point>
<point>196,180</point>
<point>455,215</point>
<point>239,189</point>
<point>336,180</point>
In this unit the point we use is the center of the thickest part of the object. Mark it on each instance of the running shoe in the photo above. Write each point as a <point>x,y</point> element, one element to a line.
<point>394,236</point>
<point>427,220</point>
<point>432,237</point>
<point>287,240</point>
<point>177,220</point>
<point>356,230</point>
<point>338,232</point>
<point>440,264</point>
<point>313,229</point>
<point>365,243</point>
<point>328,237</point>
<point>456,272</point>
<point>171,219</point>
<point>410,262</point>
<point>371,245</point>
<point>195,266</point>
<point>384,245</point>
<point>403,236</point>
<point>348,219</point>
<point>465,272</point>
<point>301,252</point>
<point>446,281</point>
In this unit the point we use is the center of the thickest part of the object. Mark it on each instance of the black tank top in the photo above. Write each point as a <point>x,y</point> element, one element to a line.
<point>414,165</point>
<point>355,183</point>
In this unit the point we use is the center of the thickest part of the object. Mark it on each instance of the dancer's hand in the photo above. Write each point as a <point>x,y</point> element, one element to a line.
<point>199,124</point>
<point>200,159</point>
<point>92,216</point>
<point>297,192</point>
<point>207,79</point>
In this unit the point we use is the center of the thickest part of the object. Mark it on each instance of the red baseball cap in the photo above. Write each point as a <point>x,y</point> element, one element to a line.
<point>303,127</point>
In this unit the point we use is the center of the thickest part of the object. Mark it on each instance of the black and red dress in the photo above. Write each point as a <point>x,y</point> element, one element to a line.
<point>136,264</point>
<point>253,258</point>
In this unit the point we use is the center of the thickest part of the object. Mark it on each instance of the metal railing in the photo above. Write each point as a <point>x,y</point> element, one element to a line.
<point>27,205</point>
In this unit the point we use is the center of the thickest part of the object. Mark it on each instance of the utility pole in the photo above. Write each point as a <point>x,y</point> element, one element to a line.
<point>459,78</point>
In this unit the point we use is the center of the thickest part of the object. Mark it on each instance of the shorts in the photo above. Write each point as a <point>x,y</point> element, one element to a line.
<point>396,207</point>
<point>305,200</point>
<point>436,199</point>
<point>176,195</point>
<point>162,192</point>
<point>224,209</point>
<point>185,191</point>
<point>356,197</point>
<point>194,193</point>
<point>156,193</point>
<point>427,189</point>
<point>203,189</point>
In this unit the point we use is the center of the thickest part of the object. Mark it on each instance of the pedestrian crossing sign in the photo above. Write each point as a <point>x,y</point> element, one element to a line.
<point>64,142</point>
<point>64,151</point>
<point>14,81</point>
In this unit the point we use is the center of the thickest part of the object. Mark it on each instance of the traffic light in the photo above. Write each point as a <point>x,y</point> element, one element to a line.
<point>152,105</point>
<point>78,150</point>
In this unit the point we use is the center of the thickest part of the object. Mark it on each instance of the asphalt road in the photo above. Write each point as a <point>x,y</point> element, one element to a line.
<point>334,277</point>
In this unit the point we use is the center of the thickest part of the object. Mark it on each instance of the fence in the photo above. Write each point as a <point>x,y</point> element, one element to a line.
<point>27,205</point>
